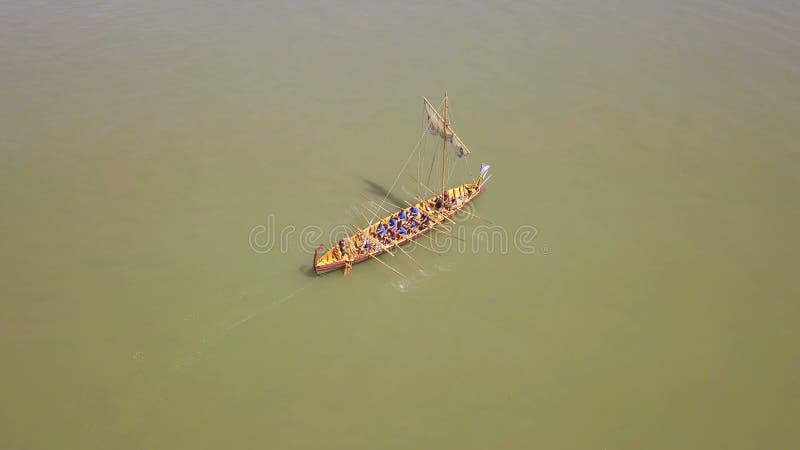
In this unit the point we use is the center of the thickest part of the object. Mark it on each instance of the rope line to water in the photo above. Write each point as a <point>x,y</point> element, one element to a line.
<point>281,300</point>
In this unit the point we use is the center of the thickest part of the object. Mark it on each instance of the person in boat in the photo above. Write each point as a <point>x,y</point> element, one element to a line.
<point>393,222</point>
<point>402,232</point>
<point>439,202</point>
<point>402,216</point>
<point>414,213</point>
<point>343,249</point>
<point>426,206</point>
<point>424,220</point>
<point>381,232</point>
<point>366,245</point>
<point>357,242</point>
<point>388,229</point>
<point>398,224</point>
<point>389,234</point>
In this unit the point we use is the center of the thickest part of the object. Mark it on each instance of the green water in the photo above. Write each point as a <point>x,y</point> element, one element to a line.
<point>652,145</point>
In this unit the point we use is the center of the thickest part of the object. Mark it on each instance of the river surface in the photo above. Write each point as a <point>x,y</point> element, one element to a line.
<point>166,169</point>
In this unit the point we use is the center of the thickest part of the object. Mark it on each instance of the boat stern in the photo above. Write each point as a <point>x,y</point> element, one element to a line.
<point>316,258</point>
<point>325,261</point>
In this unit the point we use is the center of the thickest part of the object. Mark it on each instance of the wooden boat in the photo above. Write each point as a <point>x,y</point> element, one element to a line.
<point>369,242</point>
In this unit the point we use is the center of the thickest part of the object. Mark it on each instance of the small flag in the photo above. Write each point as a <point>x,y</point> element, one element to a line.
<point>484,169</point>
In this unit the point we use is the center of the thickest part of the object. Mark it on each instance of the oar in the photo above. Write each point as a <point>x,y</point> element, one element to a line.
<point>379,205</point>
<point>401,207</point>
<point>387,265</point>
<point>426,248</point>
<point>381,245</point>
<point>442,231</point>
<point>398,247</point>
<point>423,201</point>
<point>398,206</point>
<point>348,266</point>
<point>460,210</point>
<point>423,246</point>
<point>409,204</point>
<point>409,254</point>
<point>440,213</point>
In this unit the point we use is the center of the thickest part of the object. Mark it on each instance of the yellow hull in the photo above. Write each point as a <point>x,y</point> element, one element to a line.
<point>333,259</point>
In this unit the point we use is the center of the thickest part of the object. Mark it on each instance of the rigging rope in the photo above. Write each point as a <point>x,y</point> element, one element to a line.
<point>430,171</point>
<point>435,153</point>
<point>419,162</point>
<point>389,192</point>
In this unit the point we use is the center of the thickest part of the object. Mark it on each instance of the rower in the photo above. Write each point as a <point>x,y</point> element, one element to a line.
<point>438,203</point>
<point>414,211</point>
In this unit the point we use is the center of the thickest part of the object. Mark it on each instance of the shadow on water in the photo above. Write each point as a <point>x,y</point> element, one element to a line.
<point>382,192</point>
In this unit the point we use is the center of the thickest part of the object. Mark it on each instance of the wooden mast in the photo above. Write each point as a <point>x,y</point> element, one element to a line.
<point>444,144</point>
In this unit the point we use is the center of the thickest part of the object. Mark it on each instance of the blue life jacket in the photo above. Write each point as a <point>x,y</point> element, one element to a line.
<point>392,222</point>
<point>403,215</point>
<point>403,231</point>
<point>414,211</point>
<point>382,230</point>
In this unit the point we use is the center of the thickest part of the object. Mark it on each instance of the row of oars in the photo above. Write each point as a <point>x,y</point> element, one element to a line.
<point>393,243</point>
<point>472,214</point>
<point>437,218</point>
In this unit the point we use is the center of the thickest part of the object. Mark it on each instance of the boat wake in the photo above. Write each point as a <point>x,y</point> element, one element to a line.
<point>401,285</point>
<point>444,267</point>
<point>405,285</point>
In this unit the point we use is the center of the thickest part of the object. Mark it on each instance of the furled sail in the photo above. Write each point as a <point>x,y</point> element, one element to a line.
<point>436,127</point>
